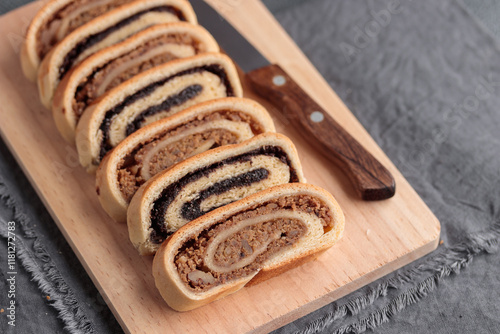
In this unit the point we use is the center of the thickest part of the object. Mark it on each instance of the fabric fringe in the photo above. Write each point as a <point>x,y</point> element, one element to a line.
<point>43,271</point>
<point>443,264</point>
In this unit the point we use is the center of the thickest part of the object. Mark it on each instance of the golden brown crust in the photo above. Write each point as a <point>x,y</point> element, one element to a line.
<point>266,274</point>
<point>87,131</point>
<point>62,105</point>
<point>29,64</point>
<point>181,298</point>
<point>48,72</point>
<point>30,61</point>
<point>110,195</point>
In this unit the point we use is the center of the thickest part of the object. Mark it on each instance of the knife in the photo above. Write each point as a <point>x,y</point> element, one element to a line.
<point>370,178</point>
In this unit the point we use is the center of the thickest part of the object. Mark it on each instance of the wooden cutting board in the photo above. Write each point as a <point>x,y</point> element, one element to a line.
<point>379,238</point>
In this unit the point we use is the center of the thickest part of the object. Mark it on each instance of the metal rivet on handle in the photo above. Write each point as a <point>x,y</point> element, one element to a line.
<point>317,116</point>
<point>279,80</point>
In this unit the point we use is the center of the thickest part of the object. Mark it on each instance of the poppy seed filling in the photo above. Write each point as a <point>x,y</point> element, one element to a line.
<point>91,40</point>
<point>192,210</point>
<point>159,229</point>
<point>172,101</point>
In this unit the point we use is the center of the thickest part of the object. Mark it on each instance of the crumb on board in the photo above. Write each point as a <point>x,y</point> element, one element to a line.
<point>441,242</point>
<point>2,310</point>
<point>47,297</point>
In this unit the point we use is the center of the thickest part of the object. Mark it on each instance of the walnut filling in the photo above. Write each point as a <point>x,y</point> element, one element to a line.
<point>221,183</point>
<point>176,93</point>
<point>118,70</point>
<point>131,177</point>
<point>132,172</point>
<point>70,17</point>
<point>118,32</point>
<point>252,244</point>
<point>237,246</point>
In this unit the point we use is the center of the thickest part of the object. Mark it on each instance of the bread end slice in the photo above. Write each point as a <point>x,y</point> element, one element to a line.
<point>182,294</point>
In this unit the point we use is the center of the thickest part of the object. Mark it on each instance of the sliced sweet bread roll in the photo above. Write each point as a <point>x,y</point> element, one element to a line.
<point>154,94</point>
<point>54,21</point>
<point>250,240</point>
<point>104,31</point>
<point>171,140</point>
<point>208,181</point>
<point>113,65</point>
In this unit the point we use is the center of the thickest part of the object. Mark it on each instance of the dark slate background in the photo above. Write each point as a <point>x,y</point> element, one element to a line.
<point>425,82</point>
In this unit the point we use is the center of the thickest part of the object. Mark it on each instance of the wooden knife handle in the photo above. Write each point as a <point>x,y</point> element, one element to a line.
<point>372,180</point>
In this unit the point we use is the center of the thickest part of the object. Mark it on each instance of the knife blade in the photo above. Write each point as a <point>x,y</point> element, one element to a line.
<point>370,178</point>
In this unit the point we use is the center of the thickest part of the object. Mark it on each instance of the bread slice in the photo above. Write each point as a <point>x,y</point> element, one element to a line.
<point>104,31</point>
<point>207,181</point>
<point>54,21</point>
<point>248,241</point>
<point>115,64</point>
<point>149,96</point>
<point>168,141</point>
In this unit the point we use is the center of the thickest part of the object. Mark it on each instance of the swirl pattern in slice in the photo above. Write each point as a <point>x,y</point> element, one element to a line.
<point>150,96</point>
<point>54,21</point>
<point>171,140</point>
<point>114,65</point>
<point>208,181</point>
<point>249,240</point>
<point>102,32</point>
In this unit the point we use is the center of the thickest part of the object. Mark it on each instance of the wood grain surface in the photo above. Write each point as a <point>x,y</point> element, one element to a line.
<point>379,237</point>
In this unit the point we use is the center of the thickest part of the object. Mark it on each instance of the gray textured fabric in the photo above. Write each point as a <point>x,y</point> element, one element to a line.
<point>487,13</point>
<point>425,82</point>
<point>8,5</point>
